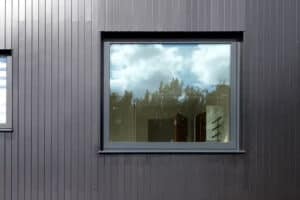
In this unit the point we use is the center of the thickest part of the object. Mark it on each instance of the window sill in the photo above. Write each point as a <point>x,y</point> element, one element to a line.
<point>136,151</point>
<point>6,130</point>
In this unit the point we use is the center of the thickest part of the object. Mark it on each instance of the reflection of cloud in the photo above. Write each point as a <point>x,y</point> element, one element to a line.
<point>138,67</point>
<point>211,64</point>
<point>2,59</point>
<point>2,63</point>
<point>2,73</point>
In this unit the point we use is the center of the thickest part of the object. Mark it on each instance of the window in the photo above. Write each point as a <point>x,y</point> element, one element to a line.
<point>170,96</point>
<point>5,91</point>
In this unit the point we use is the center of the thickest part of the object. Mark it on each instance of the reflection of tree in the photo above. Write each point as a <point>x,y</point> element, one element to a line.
<point>129,116</point>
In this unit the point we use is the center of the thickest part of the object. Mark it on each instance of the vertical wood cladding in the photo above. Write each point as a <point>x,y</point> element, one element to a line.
<point>52,152</point>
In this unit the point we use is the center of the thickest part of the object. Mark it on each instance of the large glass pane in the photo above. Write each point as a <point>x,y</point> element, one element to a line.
<point>3,73</point>
<point>169,92</point>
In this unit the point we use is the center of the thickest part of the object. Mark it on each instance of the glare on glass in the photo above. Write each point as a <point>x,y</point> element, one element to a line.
<point>169,92</point>
<point>3,74</point>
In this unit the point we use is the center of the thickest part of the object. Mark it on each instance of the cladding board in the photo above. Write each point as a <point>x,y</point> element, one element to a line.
<point>52,152</point>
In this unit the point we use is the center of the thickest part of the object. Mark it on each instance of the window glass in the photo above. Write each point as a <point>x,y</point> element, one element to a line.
<point>169,92</point>
<point>3,89</point>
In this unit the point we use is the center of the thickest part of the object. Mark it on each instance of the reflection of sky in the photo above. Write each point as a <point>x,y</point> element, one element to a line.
<point>2,72</point>
<point>2,59</point>
<point>137,67</point>
<point>2,89</point>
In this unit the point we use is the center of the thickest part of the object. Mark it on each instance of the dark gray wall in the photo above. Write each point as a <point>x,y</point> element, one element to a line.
<point>52,152</point>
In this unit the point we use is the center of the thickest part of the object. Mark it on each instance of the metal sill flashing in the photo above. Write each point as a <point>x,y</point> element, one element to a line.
<point>6,130</point>
<point>136,151</point>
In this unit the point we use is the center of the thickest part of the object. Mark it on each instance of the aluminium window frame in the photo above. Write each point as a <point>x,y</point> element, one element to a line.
<point>4,127</point>
<point>233,146</point>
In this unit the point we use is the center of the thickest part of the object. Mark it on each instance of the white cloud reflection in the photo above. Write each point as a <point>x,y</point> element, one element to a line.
<point>137,67</point>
